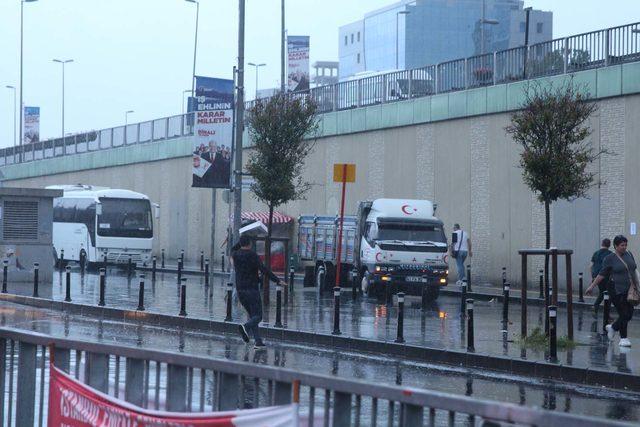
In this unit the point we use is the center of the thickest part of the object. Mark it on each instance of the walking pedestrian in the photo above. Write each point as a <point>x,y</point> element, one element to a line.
<point>596,266</point>
<point>247,263</point>
<point>460,249</point>
<point>620,266</point>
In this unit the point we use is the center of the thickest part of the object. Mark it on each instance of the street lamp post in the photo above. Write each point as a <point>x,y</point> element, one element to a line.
<point>282,48</point>
<point>257,66</point>
<point>62,62</point>
<point>22,2</point>
<point>484,21</point>
<point>15,141</point>
<point>195,45</point>
<point>402,12</point>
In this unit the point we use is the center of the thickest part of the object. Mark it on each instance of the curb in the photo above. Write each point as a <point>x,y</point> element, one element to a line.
<point>538,369</point>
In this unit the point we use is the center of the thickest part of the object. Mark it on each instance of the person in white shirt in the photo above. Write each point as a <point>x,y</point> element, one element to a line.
<point>460,249</point>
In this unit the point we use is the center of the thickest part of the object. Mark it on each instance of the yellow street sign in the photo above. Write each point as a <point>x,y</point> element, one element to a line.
<point>344,172</point>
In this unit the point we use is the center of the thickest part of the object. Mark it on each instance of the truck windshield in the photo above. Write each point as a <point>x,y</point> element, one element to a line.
<point>409,232</point>
<point>125,218</point>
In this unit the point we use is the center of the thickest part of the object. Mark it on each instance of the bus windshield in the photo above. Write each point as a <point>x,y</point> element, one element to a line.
<point>125,218</point>
<point>407,232</point>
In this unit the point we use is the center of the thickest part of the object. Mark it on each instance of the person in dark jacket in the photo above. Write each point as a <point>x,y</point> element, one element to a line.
<point>596,266</point>
<point>247,264</point>
<point>620,266</point>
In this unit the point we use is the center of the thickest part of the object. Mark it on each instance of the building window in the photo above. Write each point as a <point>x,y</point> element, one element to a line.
<point>523,27</point>
<point>358,58</point>
<point>539,27</point>
<point>358,35</point>
<point>351,38</point>
<point>345,40</point>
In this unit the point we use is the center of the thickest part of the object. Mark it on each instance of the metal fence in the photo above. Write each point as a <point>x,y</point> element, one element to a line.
<point>178,382</point>
<point>595,49</point>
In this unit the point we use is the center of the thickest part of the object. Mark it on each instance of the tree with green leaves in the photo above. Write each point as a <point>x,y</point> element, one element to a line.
<point>552,130</point>
<point>282,130</point>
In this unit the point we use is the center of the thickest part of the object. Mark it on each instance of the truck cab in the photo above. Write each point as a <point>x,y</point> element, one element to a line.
<point>402,247</point>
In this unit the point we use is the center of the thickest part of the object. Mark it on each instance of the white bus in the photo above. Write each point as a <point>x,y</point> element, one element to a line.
<point>90,222</point>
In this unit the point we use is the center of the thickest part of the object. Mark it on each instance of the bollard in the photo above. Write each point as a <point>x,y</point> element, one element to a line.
<point>605,312</point>
<point>425,283</point>
<point>336,311</point>
<point>553,336</point>
<point>206,272</point>
<point>278,323</point>
<point>400,336</point>
<point>141,294</point>
<point>5,267</point>
<point>504,276</point>
<point>162,260</point>
<point>229,298</point>
<point>67,297</point>
<point>470,346</point>
<point>83,262</point>
<point>129,266</point>
<point>292,273</point>
<point>469,277</point>
<point>182,256</point>
<point>36,268</point>
<point>102,286</point>
<point>354,284</point>
<point>61,266</point>
<point>201,260</point>
<point>580,291</point>
<point>183,298</point>
<point>463,297</point>
<point>541,281</point>
<point>179,271</point>
<point>153,268</point>
<point>104,261</point>
<point>505,303</point>
<point>222,262</point>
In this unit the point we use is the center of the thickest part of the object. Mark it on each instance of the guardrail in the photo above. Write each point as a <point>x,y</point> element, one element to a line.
<point>590,50</point>
<point>178,382</point>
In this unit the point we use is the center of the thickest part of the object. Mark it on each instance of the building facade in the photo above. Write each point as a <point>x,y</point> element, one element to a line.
<point>416,33</point>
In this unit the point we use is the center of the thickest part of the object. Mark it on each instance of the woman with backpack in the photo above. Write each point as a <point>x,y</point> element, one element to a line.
<point>620,267</point>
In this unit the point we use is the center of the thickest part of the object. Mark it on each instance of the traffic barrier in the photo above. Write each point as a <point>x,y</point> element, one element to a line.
<point>36,270</point>
<point>505,304</point>
<point>400,334</point>
<point>278,323</point>
<point>470,337</point>
<point>67,296</point>
<point>5,266</point>
<point>605,311</point>
<point>102,287</point>
<point>336,311</point>
<point>553,333</point>
<point>183,298</point>
<point>229,301</point>
<point>141,294</point>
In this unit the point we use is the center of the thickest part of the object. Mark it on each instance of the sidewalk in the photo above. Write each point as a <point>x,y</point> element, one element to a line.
<point>441,326</point>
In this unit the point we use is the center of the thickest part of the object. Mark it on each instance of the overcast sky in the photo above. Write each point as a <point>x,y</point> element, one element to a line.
<point>138,54</point>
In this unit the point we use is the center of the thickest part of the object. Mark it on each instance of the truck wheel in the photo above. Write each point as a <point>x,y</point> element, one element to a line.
<point>432,293</point>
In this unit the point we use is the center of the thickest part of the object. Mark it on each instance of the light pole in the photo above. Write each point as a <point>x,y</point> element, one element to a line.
<point>239,126</point>
<point>62,62</point>
<point>15,141</point>
<point>484,21</point>
<point>195,45</point>
<point>257,66</point>
<point>402,12</point>
<point>183,92</point>
<point>282,48</point>
<point>22,2</point>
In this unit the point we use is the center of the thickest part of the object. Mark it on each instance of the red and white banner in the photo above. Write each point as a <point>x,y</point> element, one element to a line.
<point>72,404</point>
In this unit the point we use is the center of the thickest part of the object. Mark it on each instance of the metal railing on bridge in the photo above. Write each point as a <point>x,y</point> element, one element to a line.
<point>178,382</point>
<point>590,50</point>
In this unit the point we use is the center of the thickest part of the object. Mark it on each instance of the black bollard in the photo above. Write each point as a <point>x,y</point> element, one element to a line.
<point>541,281</point>
<point>470,346</point>
<point>206,272</point>
<point>580,284</point>
<point>102,286</point>
<point>505,303</point>
<point>129,266</point>
<point>400,336</point>
<point>222,262</point>
<point>5,267</point>
<point>605,312</point>
<point>201,260</point>
<point>425,283</point>
<point>469,277</point>
<point>36,270</point>
<point>182,257</point>
<point>83,262</point>
<point>278,323</point>
<point>229,301</point>
<point>463,298</point>
<point>154,264</point>
<point>504,276</point>
<point>292,273</point>
<point>104,261</point>
<point>183,298</point>
<point>162,258</point>
<point>553,336</point>
<point>141,294</point>
<point>179,271</point>
<point>61,266</point>
<point>336,311</point>
<point>67,297</point>
<point>354,284</point>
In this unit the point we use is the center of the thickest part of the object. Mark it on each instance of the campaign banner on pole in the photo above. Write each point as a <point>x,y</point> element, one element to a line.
<point>74,404</point>
<point>298,64</point>
<point>213,132</point>
<point>31,125</point>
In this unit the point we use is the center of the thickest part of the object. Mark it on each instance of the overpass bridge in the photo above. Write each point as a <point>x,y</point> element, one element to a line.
<point>436,132</point>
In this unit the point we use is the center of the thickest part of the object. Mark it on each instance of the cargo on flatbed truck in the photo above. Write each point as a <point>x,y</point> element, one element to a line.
<point>393,245</point>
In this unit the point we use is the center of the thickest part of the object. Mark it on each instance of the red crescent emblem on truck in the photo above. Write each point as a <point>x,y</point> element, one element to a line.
<point>378,257</point>
<point>407,208</point>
